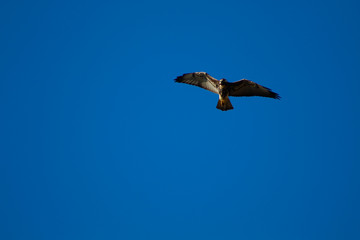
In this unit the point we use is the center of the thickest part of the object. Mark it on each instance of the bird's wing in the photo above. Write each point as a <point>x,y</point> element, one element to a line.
<point>248,88</point>
<point>200,79</point>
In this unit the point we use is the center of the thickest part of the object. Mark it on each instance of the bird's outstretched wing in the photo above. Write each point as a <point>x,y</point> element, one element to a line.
<point>248,88</point>
<point>200,79</point>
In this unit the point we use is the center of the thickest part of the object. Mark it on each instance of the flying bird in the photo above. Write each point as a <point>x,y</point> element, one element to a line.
<point>242,88</point>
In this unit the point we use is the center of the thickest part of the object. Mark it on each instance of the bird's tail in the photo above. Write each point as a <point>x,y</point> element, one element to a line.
<point>224,104</point>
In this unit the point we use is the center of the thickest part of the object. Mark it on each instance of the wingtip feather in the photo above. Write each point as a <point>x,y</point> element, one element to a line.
<point>180,79</point>
<point>273,94</point>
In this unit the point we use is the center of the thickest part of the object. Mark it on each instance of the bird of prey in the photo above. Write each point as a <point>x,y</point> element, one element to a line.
<point>242,88</point>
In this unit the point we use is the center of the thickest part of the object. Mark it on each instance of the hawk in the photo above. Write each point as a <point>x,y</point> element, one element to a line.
<point>242,88</point>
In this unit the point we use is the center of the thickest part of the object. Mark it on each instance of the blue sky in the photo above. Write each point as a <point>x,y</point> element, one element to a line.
<point>98,142</point>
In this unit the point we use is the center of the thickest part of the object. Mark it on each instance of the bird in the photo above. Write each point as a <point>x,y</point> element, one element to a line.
<point>225,89</point>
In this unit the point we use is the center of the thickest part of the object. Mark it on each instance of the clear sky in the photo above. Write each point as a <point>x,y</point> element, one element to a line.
<point>98,142</point>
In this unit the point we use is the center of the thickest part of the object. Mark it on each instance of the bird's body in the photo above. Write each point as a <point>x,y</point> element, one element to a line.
<point>224,103</point>
<point>225,89</point>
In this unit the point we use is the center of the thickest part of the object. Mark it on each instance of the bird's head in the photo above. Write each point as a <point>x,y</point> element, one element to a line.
<point>222,81</point>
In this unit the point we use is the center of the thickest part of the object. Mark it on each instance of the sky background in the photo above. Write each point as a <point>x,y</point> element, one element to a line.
<point>98,142</point>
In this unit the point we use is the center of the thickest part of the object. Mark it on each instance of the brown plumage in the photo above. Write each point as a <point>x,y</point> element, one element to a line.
<point>242,88</point>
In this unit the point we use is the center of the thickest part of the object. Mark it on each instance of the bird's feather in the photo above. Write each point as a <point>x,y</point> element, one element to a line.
<point>200,79</point>
<point>248,88</point>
